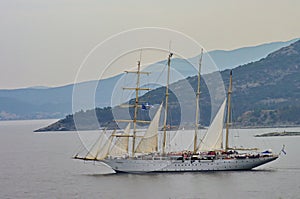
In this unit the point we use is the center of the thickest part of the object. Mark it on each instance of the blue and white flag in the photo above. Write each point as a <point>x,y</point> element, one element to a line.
<point>146,106</point>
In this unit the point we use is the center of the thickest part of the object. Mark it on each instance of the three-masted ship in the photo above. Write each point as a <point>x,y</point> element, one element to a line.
<point>148,155</point>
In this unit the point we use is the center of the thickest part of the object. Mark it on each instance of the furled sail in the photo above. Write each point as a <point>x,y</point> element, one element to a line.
<point>149,142</point>
<point>214,135</point>
<point>120,147</point>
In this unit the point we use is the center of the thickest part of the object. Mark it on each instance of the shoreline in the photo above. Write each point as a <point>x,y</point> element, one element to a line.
<point>45,129</point>
<point>278,134</point>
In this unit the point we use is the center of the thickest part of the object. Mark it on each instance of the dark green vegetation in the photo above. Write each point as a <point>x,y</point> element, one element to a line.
<point>84,121</point>
<point>265,93</point>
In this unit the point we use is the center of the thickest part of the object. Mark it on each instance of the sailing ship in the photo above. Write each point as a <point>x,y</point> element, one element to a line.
<point>209,154</point>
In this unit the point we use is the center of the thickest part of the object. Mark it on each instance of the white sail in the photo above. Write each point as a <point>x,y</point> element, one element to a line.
<point>149,142</point>
<point>120,146</point>
<point>93,152</point>
<point>214,135</point>
<point>101,148</point>
<point>103,152</point>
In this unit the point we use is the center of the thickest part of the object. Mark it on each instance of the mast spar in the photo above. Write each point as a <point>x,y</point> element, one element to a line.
<point>197,103</point>
<point>228,112</point>
<point>136,106</point>
<point>166,105</point>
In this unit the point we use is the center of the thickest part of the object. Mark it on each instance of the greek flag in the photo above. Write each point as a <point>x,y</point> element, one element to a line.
<point>146,106</point>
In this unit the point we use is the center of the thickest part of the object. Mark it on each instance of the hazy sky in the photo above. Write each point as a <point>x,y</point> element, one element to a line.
<point>44,42</point>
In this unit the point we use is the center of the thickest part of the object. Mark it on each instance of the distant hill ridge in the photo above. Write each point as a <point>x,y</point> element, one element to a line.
<point>37,103</point>
<point>266,93</point>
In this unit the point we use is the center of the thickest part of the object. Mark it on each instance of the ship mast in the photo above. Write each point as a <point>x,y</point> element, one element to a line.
<point>136,104</point>
<point>197,104</point>
<point>166,105</point>
<point>228,123</point>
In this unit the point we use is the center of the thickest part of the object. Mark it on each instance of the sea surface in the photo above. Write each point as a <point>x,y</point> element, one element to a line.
<point>39,165</point>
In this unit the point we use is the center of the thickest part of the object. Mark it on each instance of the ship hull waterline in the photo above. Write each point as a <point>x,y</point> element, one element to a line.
<point>159,166</point>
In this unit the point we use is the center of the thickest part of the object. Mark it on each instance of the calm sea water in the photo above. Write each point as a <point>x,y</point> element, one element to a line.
<point>39,165</point>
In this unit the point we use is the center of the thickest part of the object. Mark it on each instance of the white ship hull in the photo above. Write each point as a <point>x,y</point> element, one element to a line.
<point>168,165</point>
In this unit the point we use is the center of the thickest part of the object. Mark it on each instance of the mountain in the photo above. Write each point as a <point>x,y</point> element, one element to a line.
<point>33,103</point>
<point>43,102</point>
<point>229,59</point>
<point>265,93</point>
<point>232,59</point>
